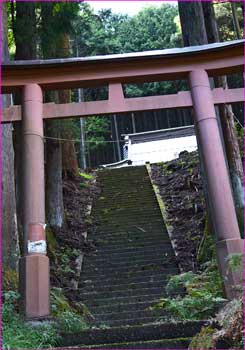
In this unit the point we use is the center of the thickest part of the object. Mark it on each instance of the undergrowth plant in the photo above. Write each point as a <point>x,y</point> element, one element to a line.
<point>20,334</point>
<point>204,294</point>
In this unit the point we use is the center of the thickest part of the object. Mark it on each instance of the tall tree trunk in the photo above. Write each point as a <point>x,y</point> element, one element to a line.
<point>194,33</point>
<point>10,241</point>
<point>24,30</point>
<point>69,158</point>
<point>119,157</point>
<point>227,118</point>
<point>235,20</point>
<point>192,23</point>
<point>53,169</point>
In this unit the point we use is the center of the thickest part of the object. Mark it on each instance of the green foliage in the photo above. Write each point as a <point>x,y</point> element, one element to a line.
<point>83,185</point>
<point>204,294</point>
<point>18,334</point>
<point>69,321</point>
<point>65,255</point>
<point>97,129</point>
<point>177,282</point>
<point>67,317</point>
<point>206,249</point>
<point>225,22</point>
<point>9,279</point>
<point>236,262</point>
<point>86,176</point>
<point>151,29</point>
<point>59,303</point>
<point>240,136</point>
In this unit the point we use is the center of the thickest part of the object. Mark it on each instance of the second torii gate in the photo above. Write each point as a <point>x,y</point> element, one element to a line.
<point>196,64</point>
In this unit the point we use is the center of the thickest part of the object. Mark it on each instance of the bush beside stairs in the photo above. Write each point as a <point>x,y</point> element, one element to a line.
<point>127,273</point>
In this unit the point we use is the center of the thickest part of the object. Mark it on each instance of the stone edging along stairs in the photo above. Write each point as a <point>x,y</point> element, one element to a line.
<point>127,273</point>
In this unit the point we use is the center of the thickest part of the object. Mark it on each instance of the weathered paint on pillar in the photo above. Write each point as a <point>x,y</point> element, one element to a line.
<point>34,266</point>
<point>219,187</point>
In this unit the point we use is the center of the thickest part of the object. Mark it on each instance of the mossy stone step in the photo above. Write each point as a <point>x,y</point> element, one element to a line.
<point>130,256</point>
<point>146,332</point>
<point>147,231</point>
<point>123,282</point>
<point>117,219</point>
<point>124,287</point>
<point>126,198</point>
<point>122,307</point>
<point>102,206</point>
<point>144,267</point>
<point>180,343</point>
<point>122,300</point>
<point>140,248</point>
<point>133,211</point>
<point>167,260</point>
<point>129,275</point>
<point>124,293</point>
<point>127,242</point>
<point>132,321</point>
<point>130,314</point>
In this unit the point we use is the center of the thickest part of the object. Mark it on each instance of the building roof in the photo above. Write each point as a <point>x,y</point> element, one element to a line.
<point>163,134</point>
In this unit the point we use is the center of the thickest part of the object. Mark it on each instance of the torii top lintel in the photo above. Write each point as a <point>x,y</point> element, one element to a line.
<point>170,64</point>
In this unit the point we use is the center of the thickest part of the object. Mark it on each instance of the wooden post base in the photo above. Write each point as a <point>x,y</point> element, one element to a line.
<point>34,286</point>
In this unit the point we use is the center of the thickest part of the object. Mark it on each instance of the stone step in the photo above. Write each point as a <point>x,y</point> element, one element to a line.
<point>129,214</point>
<point>140,202</point>
<point>100,257</point>
<point>94,302</point>
<point>123,293</point>
<point>144,267</point>
<point>133,212</point>
<point>133,275</point>
<point>138,177</point>
<point>122,282</point>
<point>125,198</point>
<point>165,260</point>
<point>135,233</point>
<point>132,321</point>
<point>127,190</point>
<point>123,286</point>
<point>133,249</point>
<point>180,343</point>
<point>147,332</point>
<point>125,241</point>
<point>122,307</point>
<point>130,315</point>
<point>143,217</point>
<point>143,224</point>
<point>123,175</point>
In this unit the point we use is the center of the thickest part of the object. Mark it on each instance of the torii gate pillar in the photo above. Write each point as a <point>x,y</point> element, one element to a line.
<point>228,239</point>
<point>34,266</point>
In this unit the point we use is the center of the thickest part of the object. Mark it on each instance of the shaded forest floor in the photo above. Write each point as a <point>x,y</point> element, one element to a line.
<point>68,245</point>
<point>180,187</point>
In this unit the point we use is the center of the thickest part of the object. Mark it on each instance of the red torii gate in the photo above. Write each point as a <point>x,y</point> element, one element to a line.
<point>196,64</point>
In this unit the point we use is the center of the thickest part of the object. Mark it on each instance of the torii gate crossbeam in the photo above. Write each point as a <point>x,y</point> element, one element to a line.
<point>196,64</point>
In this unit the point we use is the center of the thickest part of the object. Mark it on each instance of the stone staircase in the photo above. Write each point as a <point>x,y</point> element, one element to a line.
<point>127,273</point>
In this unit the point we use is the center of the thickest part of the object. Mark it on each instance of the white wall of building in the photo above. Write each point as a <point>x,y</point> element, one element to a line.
<point>160,151</point>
